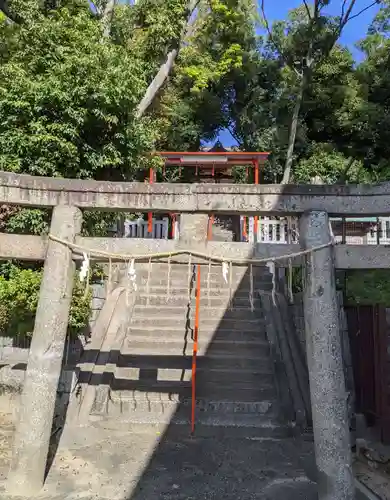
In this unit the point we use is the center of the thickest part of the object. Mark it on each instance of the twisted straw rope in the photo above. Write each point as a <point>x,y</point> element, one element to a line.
<point>160,255</point>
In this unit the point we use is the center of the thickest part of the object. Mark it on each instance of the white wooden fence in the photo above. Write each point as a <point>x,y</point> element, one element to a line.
<point>280,230</point>
<point>285,230</point>
<point>277,230</point>
<point>140,229</point>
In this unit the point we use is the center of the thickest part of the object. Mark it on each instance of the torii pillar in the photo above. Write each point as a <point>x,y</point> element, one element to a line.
<point>325,362</point>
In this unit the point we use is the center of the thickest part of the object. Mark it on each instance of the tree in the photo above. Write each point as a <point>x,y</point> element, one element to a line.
<point>261,109</point>
<point>302,43</point>
<point>67,101</point>
<point>167,66</point>
<point>371,138</point>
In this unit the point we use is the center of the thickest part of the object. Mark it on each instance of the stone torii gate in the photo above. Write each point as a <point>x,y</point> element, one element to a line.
<point>313,204</point>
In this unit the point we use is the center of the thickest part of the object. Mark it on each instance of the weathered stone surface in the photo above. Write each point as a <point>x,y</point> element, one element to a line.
<point>193,229</point>
<point>325,364</point>
<point>32,436</point>
<point>140,463</point>
<point>207,198</point>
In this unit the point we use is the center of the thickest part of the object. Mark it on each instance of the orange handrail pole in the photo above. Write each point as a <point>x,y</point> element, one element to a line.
<point>150,215</point>
<point>210,228</point>
<point>195,349</point>
<point>256,220</point>
<point>244,229</point>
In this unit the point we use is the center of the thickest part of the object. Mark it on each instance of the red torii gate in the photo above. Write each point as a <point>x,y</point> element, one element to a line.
<point>217,159</point>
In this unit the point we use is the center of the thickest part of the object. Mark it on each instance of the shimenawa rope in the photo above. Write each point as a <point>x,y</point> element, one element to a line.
<point>192,253</point>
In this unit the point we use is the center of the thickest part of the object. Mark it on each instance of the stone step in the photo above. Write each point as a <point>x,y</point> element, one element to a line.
<point>154,346</point>
<point>206,323</point>
<point>170,405</point>
<point>263,375</point>
<point>215,269</point>
<point>204,335</point>
<point>214,280</point>
<point>211,361</point>
<point>180,275</point>
<point>181,290</point>
<point>162,335</point>
<point>206,313</point>
<point>135,391</point>
<point>182,301</point>
<point>221,427</point>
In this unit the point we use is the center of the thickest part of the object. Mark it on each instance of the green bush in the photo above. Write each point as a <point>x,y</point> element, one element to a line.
<point>19,293</point>
<point>368,287</point>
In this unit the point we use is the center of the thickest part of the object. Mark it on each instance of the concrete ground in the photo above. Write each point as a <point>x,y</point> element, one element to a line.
<point>102,462</point>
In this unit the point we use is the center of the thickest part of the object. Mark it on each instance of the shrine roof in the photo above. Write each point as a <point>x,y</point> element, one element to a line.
<point>214,157</point>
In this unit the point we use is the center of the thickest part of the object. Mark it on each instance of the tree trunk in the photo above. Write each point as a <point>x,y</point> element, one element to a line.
<point>166,67</point>
<point>293,132</point>
<point>157,83</point>
<point>107,18</point>
<point>344,175</point>
<point>12,16</point>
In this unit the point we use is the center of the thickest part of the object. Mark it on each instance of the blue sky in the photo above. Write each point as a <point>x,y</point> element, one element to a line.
<point>353,32</point>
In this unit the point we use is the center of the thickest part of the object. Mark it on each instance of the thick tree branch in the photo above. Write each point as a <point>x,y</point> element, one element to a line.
<point>344,175</point>
<point>276,46</point>
<point>293,132</point>
<point>363,10</point>
<point>11,15</point>
<point>316,8</point>
<point>166,68</point>
<point>108,14</point>
<point>307,9</point>
<point>234,135</point>
<point>344,19</point>
<point>343,8</point>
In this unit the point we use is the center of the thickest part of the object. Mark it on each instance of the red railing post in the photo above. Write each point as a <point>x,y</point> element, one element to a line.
<point>195,349</point>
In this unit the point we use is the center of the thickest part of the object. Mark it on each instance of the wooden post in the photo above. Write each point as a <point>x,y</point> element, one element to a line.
<point>32,437</point>
<point>325,363</point>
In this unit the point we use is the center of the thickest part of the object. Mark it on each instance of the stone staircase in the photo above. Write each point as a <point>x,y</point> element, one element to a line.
<point>235,386</point>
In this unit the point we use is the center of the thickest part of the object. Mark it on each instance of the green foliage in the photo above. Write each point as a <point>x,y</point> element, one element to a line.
<point>216,47</point>
<point>19,299</point>
<point>368,287</point>
<point>80,308</point>
<point>67,100</point>
<point>19,292</point>
<point>329,164</point>
<point>29,221</point>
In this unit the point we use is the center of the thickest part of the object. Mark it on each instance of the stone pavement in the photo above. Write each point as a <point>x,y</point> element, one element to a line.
<point>101,462</point>
<point>139,464</point>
